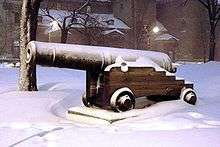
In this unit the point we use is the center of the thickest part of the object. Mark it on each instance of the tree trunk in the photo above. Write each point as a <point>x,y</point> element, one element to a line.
<point>64,35</point>
<point>212,44</point>
<point>27,81</point>
<point>88,37</point>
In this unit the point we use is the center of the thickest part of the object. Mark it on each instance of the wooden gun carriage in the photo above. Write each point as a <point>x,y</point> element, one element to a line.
<point>116,77</point>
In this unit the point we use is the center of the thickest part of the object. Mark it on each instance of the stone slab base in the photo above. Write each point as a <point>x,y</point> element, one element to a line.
<point>98,116</point>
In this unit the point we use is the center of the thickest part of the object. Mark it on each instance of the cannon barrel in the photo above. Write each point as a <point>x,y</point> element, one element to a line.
<point>84,57</point>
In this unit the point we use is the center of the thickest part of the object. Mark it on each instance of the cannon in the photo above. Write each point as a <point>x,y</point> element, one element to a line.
<point>115,78</point>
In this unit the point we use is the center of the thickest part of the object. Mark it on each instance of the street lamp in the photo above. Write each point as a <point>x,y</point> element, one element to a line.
<point>150,32</point>
<point>156,29</point>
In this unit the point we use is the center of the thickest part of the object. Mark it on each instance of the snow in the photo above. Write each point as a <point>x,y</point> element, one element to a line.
<point>118,24</point>
<point>29,119</point>
<point>140,62</point>
<point>166,36</point>
<point>161,26</point>
<point>163,32</point>
<point>111,31</point>
<point>60,14</point>
<point>103,55</point>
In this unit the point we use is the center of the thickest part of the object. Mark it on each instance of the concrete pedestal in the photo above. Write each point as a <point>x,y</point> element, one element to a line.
<point>99,116</point>
<point>96,115</point>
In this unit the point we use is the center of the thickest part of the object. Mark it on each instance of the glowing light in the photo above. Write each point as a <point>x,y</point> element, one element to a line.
<point>156,29</point>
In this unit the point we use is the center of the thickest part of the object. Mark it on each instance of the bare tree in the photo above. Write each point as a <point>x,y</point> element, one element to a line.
<point>92,29</point>
<point>3,36</point>
<point>28,27</point>
<point>76,19</point>
<point>213,8</point>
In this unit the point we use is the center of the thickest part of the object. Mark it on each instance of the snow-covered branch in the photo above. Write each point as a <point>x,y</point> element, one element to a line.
<point>46,13</point>
<point>69,20</point>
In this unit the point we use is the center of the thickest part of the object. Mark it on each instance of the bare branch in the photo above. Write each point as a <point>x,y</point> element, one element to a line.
<point>71,15</point>
<point>47,14</point>
<point>78,20</point>
<point>84,5</point>
<point>185,2</point>
<point>217,19</point>
<point>204,3</point>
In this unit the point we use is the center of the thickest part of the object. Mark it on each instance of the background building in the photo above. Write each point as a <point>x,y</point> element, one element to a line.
<point>181,31</point>
<point>9,27</point>
<point>189,23</point>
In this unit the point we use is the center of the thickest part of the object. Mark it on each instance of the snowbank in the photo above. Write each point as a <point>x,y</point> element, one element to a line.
<point>35,118</point>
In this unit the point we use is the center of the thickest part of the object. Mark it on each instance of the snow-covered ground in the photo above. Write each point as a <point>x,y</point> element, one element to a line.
<point>37,118</point>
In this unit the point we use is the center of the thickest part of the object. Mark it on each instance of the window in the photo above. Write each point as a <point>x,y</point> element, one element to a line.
<point>121,6</point>
<point>88,9</point>
<point>183,25</point>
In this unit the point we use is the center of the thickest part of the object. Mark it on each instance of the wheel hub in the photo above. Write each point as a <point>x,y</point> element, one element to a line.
<point>125,103</point>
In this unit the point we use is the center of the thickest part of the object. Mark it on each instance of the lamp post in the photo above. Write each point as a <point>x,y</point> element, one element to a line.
<point>149,31</point>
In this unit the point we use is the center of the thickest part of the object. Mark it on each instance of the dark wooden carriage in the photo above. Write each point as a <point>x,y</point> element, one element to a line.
<point>118,90</point>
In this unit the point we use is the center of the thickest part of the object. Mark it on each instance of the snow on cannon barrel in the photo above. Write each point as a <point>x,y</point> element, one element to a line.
<point>115,77</point>
<point>88,57</point>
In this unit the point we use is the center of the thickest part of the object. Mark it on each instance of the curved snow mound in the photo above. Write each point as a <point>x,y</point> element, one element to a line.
<point>60,107</point>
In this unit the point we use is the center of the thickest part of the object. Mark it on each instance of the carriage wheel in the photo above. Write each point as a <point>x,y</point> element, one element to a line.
<point>122,100</point>
<point>87,101</point>
<point>188,95</point>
